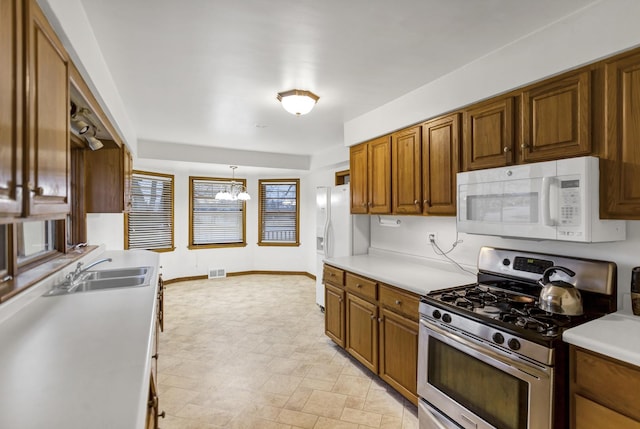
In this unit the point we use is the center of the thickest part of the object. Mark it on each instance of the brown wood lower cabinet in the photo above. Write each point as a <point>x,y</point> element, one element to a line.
<point>377,324</point>
<point>604,392</point>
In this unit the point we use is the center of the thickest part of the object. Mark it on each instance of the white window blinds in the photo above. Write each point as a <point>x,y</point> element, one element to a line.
<point>215,222</point>
<point>279,211</point>
<point>150,220</point>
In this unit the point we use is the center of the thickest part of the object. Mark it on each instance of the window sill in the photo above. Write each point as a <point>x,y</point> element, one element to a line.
<point>215,246</point>
<point>31,276</point>
<point>279,244</point>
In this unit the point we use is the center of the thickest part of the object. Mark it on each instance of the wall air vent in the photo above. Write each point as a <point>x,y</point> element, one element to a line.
<point>217,273</point>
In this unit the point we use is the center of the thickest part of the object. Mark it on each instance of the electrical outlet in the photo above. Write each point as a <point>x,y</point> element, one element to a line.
<point>432,237</point>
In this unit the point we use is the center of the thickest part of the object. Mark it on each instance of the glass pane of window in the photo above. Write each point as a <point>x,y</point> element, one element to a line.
<point>35,239</point>
<point>150,219</point>
<point>215,222</point>
<point>279,211</point>
<point>4,251</point>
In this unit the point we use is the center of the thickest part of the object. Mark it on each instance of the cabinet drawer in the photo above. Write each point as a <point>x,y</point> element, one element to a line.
<point>399,301</point>
<point>591,415</point>
<point>361,286</point>
<point>333,275</point>
<point>612,383</point>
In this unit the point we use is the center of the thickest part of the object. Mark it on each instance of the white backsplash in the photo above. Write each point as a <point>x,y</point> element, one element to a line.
<point>410,237</point>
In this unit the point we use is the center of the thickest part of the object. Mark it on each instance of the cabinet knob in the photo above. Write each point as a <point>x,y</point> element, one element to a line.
<point>373,317</point>
<point>364,204</point>
<point>155,356</point>
<point>416,202</point>
<point>506,149</point>
<point>398,302</point>
<point>379,319</point>
<point>427,203</point>
<point>162,414</point>
<point>339,299</point>
<point>358,285</point>
<point>38,191</point>
<point>370,204</point>
<point>525,145</point>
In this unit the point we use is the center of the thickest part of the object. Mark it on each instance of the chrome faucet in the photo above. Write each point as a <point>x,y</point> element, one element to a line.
<point>73,277</point>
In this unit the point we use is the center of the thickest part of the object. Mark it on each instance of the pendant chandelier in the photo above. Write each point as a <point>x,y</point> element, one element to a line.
<point>234,191</point>
<point>297,101</point>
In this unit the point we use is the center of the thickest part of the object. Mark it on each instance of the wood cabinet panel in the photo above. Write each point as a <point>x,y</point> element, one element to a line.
<point>556,119</point>
<point>333,275</point>
<point>379,175</point>
<point>611,383</point>
<point>399,301</point>
<point>591,415</point>
<point>362,331</point>
<point>359,179</point>
<point>48,118</point>
<point>334,313</point>
<point>361,286</point>
<point>440,164</point>
<point>621,164</point>
<point>11,103</point>
<point>108,174</point>
<point>399,353</point>
<point>406,171</point>
<point>488,134</point>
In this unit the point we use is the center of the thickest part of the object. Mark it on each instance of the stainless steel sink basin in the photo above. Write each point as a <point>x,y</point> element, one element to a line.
<point>104,280</point>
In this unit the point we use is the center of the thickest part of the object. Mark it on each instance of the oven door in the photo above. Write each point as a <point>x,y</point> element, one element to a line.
<point>464,382</point>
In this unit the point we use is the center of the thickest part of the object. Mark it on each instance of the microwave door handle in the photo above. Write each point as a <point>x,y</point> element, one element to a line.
<point>546,201</point>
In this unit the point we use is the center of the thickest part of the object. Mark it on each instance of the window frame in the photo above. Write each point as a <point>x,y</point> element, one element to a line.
<point>192,246</point>
<point>261,191</point>
<point>172,247</point>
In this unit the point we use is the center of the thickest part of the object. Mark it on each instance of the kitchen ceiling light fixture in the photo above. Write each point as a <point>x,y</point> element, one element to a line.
<point>93,142</point>
<point>234,191</point>
<point>297,101</point>
<point>79,126</point>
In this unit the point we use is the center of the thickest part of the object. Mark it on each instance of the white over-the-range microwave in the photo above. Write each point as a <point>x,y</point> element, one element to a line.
<point>554,200</point>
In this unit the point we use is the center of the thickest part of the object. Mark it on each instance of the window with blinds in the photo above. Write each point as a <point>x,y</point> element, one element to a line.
<point>215,223</point>
<point>278,222</point>
<point>150,219</point>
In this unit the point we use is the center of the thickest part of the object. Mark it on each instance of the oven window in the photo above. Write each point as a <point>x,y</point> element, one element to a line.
<point>499,398</point>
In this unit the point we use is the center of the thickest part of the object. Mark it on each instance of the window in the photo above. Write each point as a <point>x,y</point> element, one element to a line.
<point>214,223</point>
<point>4,252</point>
<point>150,219</point>
<point>278,223</point>
<point>35,240</point>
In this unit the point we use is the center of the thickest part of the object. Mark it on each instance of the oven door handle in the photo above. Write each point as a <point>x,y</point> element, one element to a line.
<point>513,362</point>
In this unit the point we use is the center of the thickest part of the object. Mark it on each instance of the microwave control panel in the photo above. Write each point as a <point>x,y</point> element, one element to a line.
<point>570,210</point>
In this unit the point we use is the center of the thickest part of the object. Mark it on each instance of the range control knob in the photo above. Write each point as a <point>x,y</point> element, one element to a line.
<point>506,262</point>
<point>498,338</point>
<point>446,318</point>
<point>436,314</point>
<point>514,344</point>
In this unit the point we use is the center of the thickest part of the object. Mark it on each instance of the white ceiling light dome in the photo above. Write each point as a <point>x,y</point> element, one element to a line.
<point>297,101</point>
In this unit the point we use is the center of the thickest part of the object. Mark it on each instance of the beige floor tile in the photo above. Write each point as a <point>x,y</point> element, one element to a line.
<point>327,423</point>
<point>205,415</point>
<point>352,386</point>
<point>297,418</point>
<point>380,401</point>
<point>361,417</point>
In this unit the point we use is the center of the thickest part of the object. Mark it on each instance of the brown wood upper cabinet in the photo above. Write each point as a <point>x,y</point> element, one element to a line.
<point>10,108</point>
<point>370,166</point>
<point>621,162</point>
<point>488,134</point>
<point>440,163</point>
<point>556,119</point>
<point>47,127</point>
<point>108,180</point>
<point>406,171</point>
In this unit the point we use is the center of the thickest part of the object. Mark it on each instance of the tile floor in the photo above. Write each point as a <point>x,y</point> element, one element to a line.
<point>250,352</point>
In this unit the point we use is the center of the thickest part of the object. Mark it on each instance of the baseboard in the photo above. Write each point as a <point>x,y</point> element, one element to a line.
<point>243,273</point>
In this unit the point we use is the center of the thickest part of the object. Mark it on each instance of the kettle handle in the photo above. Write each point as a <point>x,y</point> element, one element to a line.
<point>549,271</point>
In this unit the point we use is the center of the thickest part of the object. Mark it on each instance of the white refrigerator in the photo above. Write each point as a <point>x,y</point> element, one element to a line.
<point>338,232</point>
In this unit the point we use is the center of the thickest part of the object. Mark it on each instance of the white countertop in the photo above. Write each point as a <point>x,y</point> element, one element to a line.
<point>416,275</point>
<point>616,335</point>
<point>80,360</point>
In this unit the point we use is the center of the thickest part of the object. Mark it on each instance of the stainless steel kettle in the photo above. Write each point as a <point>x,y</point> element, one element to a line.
<point>557,296</point>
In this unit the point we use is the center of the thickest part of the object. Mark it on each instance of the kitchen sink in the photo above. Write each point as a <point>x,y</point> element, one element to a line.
<point>104,280</point>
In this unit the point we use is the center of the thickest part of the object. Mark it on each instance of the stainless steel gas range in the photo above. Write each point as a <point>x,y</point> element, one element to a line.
<point>489,357</point>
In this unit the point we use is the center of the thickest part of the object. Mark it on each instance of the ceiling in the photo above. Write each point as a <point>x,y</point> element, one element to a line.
<point>206,72</point>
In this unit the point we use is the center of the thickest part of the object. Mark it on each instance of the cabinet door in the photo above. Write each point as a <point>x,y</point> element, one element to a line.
<point>406,171</point>
<point>556,119</point>
<point>359,176</point>
<point>105,179</point>
<point>440,163</point>
<point>362,331</point>
<point>48,147</point>
<point>621,164</point>
<point>334,310</point>
<point>11,99</point>
<point>591,415</point>
<point>127,171</point>
<point>399,353</point>
<point>379,175</point>
<point>488,135</point>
